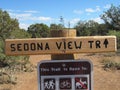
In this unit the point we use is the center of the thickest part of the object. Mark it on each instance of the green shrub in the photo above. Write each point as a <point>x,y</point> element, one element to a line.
<point>117,34</point>
<point>112,65</point>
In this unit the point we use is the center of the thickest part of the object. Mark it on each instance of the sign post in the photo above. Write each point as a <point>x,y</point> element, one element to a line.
<point>65,75</point>
<point>63,33</point>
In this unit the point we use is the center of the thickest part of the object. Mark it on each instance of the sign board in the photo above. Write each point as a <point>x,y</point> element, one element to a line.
<point>65,75</point>
<point>63,45</point>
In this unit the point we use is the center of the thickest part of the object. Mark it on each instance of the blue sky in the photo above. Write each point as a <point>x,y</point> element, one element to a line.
<point>49,11</point>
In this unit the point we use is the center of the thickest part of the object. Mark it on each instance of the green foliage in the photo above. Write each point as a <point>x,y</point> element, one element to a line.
<point>92,28</point>
<point>20,33</point>
<point>112,17</point>
<point>110,64</point>
<point>56,27</point>
<point>81,29</point>
<point>2,55</point>
<point>117,34</point>
<point>102,29</point>
<point>9,60</point>
<point>87,28</point>
<point>38,30</point>
<point>7,24</point>
<point>9,28</point>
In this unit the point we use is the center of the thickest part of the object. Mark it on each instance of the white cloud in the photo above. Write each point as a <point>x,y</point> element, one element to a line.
<point>29,16</point>
<point>90,10</point>
<point>42,18</point>
<point>20,15</point>
<point>75,20</point>
<point>77,11</point>
<point>24,26</point>
<point>11,10</point>
<point>19,11</point>
<point>107,6</point>
<point>31,11</point>
<point>23,16</point>
<point>97,8</point>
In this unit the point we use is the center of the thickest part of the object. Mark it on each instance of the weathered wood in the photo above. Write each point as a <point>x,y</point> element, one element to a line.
<point>63,33</point>
<point>61,45</point>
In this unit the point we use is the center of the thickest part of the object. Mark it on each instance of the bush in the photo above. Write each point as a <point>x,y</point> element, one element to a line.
<point>117,34</point>
<point>112,65</point>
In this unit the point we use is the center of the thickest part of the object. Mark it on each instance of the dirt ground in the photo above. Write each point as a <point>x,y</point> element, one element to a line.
<point>103,80</point>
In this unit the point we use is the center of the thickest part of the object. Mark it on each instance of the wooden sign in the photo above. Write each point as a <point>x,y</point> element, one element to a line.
<point>63,45</point>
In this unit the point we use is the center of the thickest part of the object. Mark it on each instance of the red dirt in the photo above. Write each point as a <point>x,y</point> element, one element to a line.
<point>103,80</point>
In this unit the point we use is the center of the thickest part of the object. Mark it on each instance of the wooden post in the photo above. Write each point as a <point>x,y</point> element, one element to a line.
<point>63,33</point>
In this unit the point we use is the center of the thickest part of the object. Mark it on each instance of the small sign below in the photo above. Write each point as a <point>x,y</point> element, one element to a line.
<point>65,75</point>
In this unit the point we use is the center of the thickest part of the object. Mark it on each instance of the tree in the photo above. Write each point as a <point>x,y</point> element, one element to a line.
<point>9,28</point>
<point>92,27</point>
<point>7,25</point>
<point>102,29</point>
<point>117,34</point>
<point>80,27</point>
<point>87,28</point>
<point>38,30</point>
<point>56,26</point>
<point>20,33</point>
<point>112,17</point>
